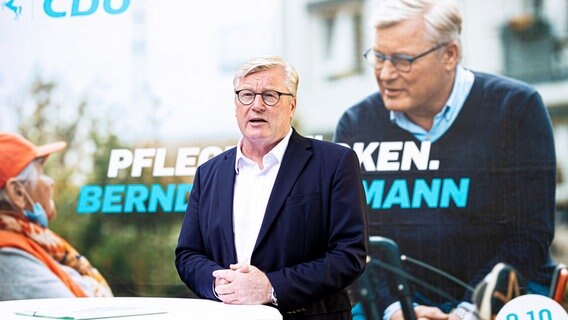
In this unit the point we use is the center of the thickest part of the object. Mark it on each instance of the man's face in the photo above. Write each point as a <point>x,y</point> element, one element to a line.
<point>42,192</point>
<point>264,126</point>
<point>422,91</point>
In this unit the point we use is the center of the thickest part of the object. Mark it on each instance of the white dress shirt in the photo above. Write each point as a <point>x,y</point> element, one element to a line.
<point>252,191</point>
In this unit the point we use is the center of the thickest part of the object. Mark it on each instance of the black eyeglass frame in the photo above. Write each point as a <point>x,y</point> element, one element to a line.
<point>261,94</point>
<point>398,57</point>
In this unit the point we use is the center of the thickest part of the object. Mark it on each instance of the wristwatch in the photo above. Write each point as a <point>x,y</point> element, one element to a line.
<point>461,313</point>
<point>273,299</point>
<point>464,313</point>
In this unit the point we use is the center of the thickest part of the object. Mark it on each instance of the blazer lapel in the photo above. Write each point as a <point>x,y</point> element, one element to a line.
<point>225,182</point>
<point>295,158</point>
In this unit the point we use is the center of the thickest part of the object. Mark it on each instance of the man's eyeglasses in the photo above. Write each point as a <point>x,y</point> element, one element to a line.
<point>401,62</point>
<point>270,97</point>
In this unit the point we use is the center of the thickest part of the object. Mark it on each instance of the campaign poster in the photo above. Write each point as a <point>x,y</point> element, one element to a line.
<point>141,91</point>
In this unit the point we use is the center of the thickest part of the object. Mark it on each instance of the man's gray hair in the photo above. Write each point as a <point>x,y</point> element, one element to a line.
<point>442,18</point>
<point>28,174</point>
<point>263,63</point>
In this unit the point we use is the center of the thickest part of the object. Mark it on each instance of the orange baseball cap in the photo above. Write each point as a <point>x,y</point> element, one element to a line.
<point>16,153</point>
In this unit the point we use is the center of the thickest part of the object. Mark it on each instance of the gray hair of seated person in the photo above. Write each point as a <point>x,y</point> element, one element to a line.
<point>29,174</point>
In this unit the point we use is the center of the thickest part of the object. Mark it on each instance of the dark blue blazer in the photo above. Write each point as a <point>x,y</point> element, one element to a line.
<point>312,242</point>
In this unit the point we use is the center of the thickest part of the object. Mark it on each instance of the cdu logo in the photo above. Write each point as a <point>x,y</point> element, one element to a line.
<point>15,8</point>
<point>65,8</point>
<point>79,8</point>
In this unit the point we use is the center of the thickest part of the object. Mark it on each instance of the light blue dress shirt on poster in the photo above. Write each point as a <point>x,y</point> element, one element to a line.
<point>444,119</point>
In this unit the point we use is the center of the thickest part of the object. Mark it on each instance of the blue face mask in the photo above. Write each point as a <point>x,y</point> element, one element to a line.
<point>38,215</point>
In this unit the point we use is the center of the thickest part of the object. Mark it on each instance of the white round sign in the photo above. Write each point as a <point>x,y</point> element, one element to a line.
<point>532,307</point>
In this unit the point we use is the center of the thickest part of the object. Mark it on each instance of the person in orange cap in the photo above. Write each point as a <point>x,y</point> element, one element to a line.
<point>35,262</point>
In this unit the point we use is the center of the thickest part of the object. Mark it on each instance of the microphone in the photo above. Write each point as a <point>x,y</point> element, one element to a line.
<point>398,284</point>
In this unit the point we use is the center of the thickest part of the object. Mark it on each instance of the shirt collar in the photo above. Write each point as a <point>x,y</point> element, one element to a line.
<point>277,153</point>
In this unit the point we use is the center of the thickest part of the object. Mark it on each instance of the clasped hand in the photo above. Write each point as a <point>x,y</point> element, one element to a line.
<point>242,284</point>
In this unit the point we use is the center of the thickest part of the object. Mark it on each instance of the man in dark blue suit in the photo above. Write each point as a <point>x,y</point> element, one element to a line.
<point>280,219</point>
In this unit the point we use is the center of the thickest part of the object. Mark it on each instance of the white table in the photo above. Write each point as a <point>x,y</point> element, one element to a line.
<point>174,308</point>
